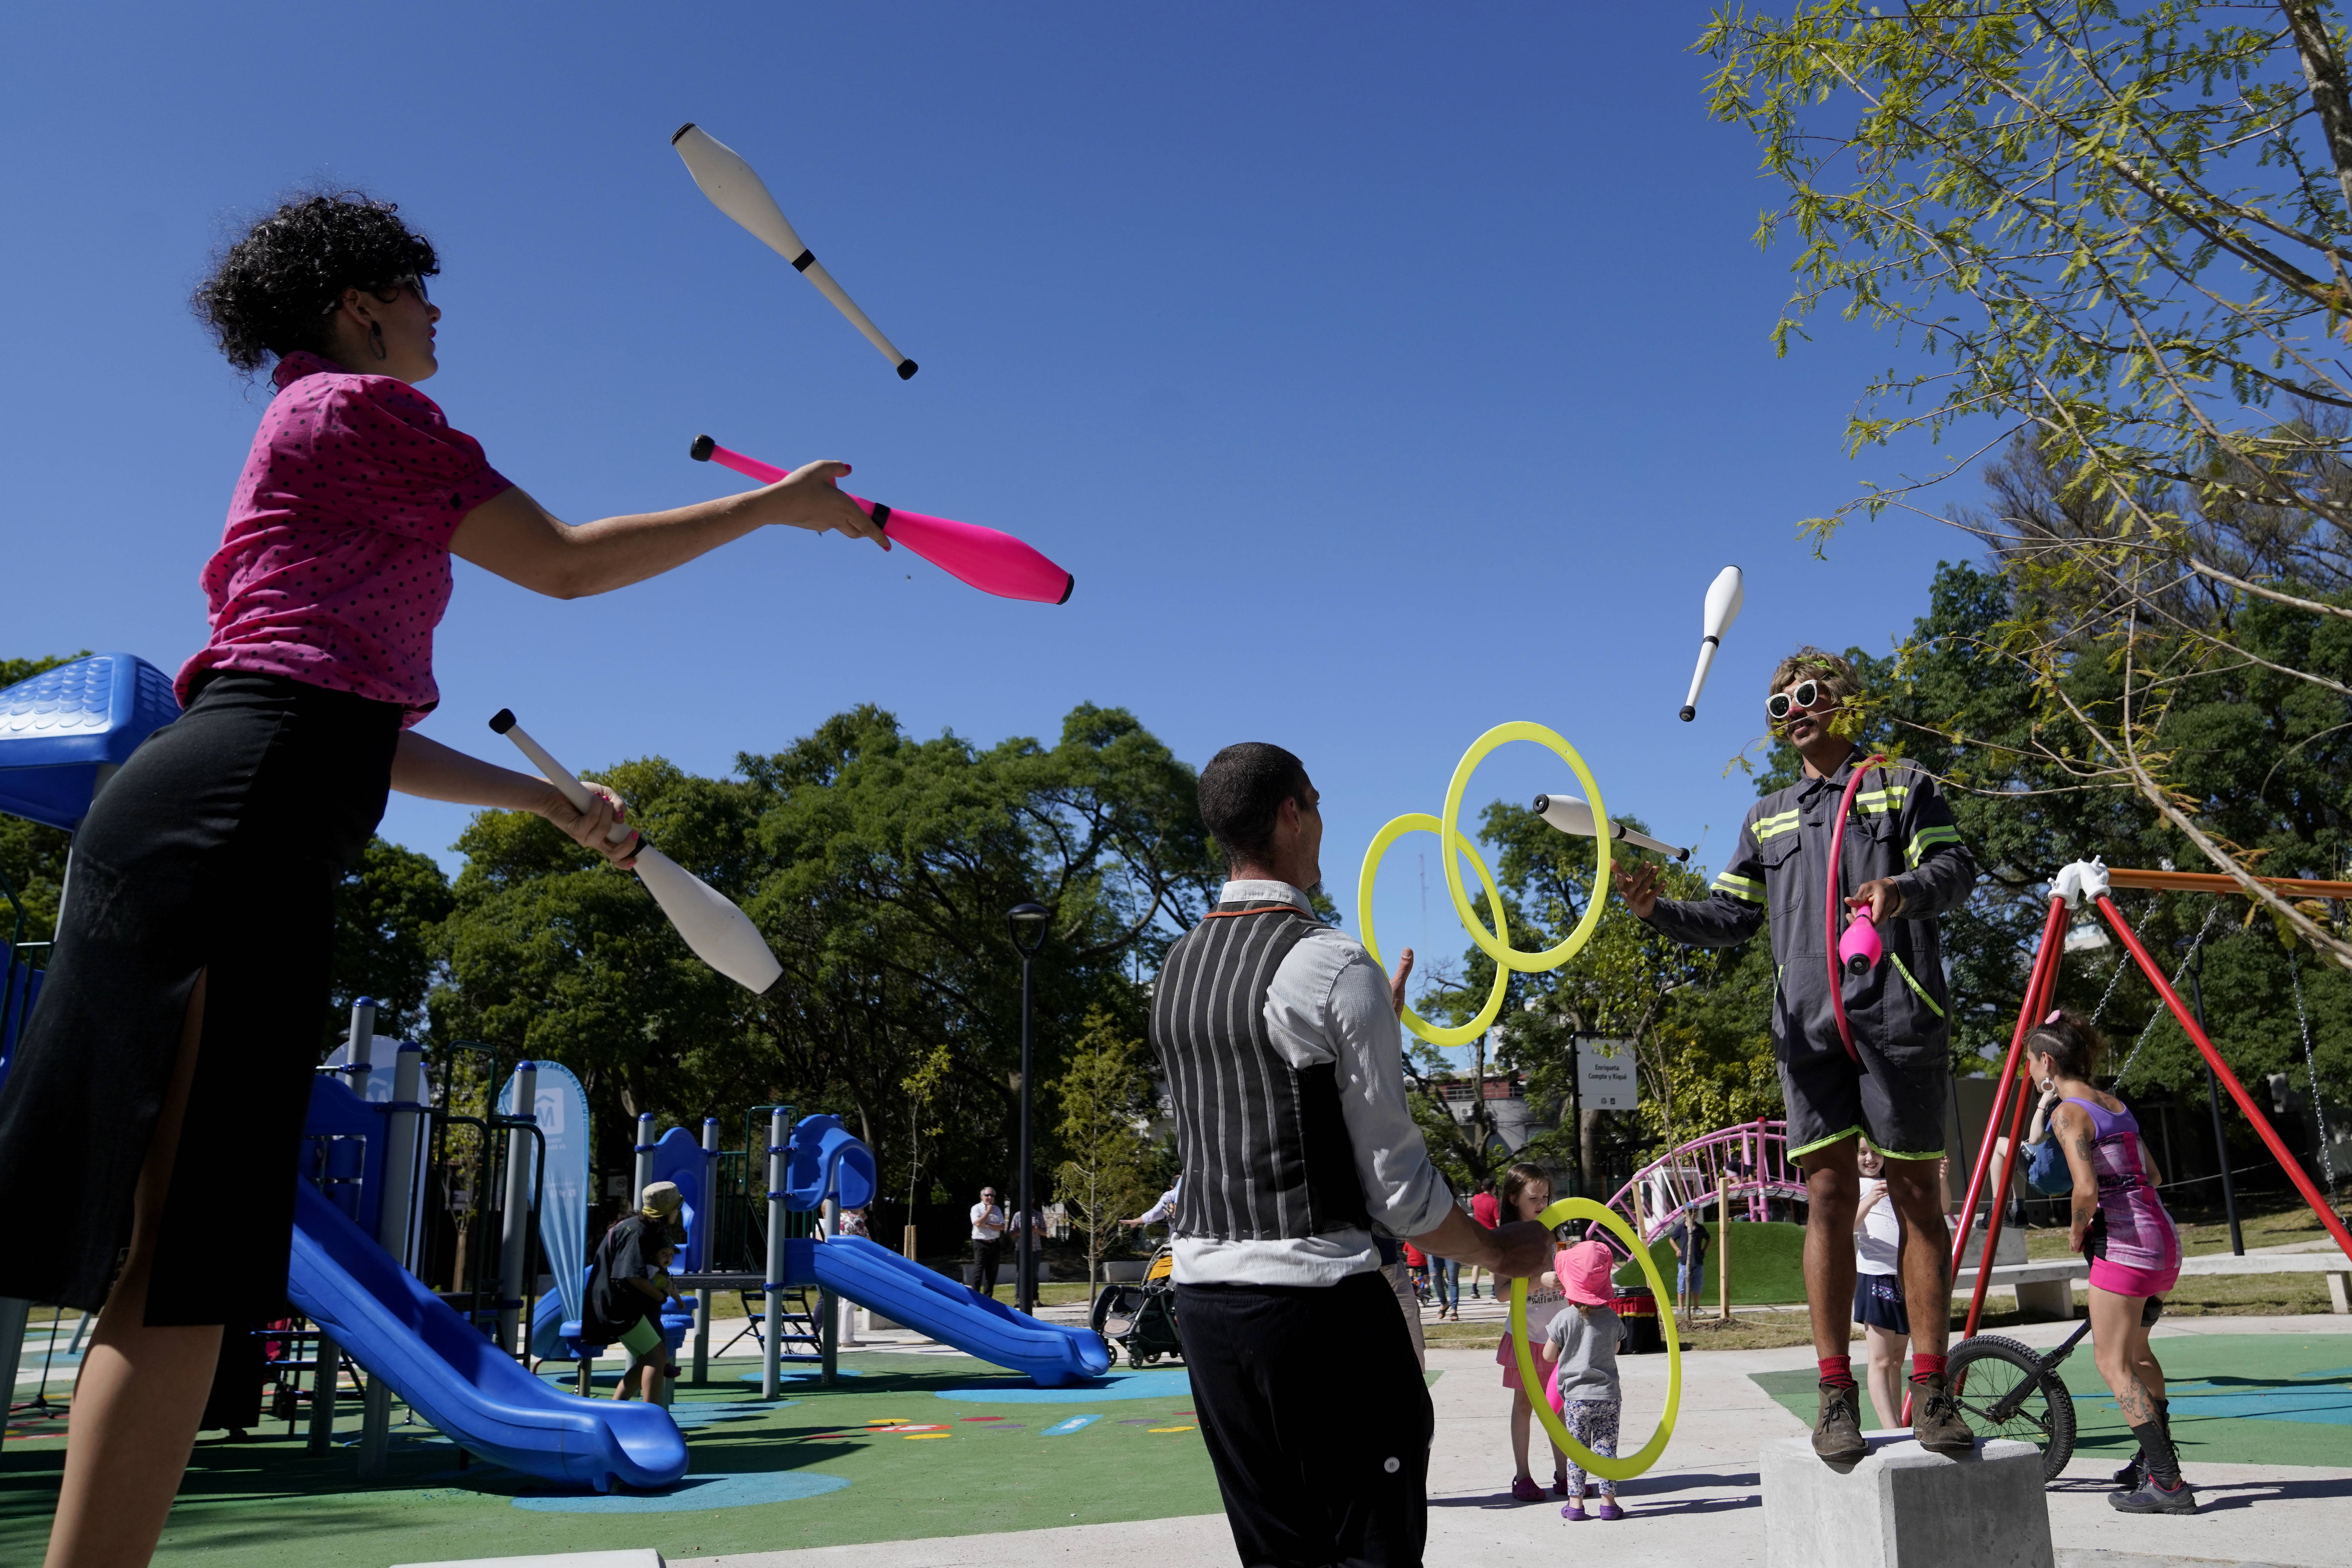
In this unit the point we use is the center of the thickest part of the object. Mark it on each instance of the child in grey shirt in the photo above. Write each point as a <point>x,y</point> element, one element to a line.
<point>1581,1347</point>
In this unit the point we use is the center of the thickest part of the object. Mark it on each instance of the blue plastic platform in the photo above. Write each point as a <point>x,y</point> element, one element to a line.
<point>59,728</point>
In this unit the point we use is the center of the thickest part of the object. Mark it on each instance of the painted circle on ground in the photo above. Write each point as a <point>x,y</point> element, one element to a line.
<point>695,1493</point>
<point>1618,1469</point>
<point>1151,1382</point>
<point>801,1376</point>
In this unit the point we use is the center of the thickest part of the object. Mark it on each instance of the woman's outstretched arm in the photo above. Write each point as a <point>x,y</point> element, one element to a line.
<point>434,772</point>
<point>515,537</point>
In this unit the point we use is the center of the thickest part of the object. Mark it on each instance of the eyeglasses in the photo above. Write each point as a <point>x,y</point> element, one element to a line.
<point>408,281</point>
<point>1806,696</point>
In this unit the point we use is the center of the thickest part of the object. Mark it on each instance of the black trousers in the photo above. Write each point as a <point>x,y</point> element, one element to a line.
<point>215,850</point>
<point>1317,1420</point>
<point>984,1260</point>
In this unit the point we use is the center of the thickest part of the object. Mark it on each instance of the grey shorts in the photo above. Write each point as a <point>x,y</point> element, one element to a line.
<point>1899,1109</point>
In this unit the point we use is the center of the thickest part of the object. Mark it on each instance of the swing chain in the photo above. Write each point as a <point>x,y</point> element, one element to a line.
<point>2125,1071</point>
<point>2311,1068</point>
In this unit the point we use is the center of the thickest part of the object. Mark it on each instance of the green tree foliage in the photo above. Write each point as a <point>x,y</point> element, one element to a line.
<point>1106,1099</point>
<point>2121,228</point>
<point>388,937</point>
<point>32,857</point>
<point>879,867</point>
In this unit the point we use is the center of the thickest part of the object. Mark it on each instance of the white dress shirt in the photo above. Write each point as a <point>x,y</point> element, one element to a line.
<point>1329,1002</point>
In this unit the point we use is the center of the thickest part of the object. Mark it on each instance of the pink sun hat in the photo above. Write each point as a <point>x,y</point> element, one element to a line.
<point>1586,1271</point>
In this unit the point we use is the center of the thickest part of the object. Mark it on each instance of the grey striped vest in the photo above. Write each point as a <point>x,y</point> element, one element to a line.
<point>1263,1148</point>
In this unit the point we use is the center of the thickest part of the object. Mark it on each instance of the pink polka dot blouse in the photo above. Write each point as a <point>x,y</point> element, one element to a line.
<point>334,568</point>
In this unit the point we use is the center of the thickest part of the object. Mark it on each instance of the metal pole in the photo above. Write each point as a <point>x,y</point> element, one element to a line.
<point>828,1305</point>
<point>2213,1103</point>
<point>1723,1249</point>
<point>514,1233</point>
<point>326,1360</point>
<point>391,1234</point>
<point>706,1221</point>
<point>1024,1284</point>
<point>645,1170</point>
<point>360,1042</point>
<point>775,1280</point>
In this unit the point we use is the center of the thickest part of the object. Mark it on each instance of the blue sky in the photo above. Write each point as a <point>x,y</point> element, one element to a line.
<point>1383,372</point>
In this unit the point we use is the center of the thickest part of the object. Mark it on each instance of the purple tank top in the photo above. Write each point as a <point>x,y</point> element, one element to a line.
<point>2134,1230</point>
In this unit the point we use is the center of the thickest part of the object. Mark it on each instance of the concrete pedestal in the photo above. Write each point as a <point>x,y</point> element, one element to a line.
<point>1903,1507</point>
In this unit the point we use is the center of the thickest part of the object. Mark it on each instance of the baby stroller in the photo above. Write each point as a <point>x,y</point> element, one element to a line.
<point>1140,1319</point>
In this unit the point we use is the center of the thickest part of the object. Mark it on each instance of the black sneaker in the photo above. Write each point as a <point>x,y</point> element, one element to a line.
<point>1935,1419</point>
<point>2131,1474</point>
<point>1837,1435</point>
<point>2150,1498</point>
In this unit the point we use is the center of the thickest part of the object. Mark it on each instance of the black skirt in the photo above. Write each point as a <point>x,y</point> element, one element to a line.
<point>217,849</point>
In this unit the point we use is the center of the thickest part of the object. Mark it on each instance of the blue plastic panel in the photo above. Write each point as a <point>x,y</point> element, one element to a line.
<point>59,728</point>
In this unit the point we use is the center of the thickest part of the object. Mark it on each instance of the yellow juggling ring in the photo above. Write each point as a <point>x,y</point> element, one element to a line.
<point>1397,828</point>
<point>1497,945</point>
<point>1618,1469</point>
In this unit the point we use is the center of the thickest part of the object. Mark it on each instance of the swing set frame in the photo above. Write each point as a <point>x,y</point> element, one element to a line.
<point>2088,881</point>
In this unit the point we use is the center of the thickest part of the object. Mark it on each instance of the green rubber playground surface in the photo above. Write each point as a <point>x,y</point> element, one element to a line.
<point>2237,1399</point>
<point>912,1446</point>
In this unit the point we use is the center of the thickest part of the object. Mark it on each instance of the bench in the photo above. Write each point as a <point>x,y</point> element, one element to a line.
<point>2046,1287</point>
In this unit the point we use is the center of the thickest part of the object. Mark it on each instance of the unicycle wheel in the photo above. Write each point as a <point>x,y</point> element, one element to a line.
<point>2003,1390</point>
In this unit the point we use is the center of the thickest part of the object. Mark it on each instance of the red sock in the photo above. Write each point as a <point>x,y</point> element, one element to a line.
<point>1837,1371</point>
<point>1923,1366</point>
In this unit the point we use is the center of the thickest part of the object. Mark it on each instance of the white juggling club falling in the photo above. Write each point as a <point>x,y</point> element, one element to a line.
<point>1570,815</point>
<point>1724,597</point>
<point>722,935</point>
<point>736,190</point>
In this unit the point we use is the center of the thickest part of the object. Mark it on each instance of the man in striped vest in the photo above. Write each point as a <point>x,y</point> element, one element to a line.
<point>1278,1037</point>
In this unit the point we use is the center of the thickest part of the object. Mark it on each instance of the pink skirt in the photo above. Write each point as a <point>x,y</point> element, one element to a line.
<point>2120,1279</point>
<point>1507,1355</point>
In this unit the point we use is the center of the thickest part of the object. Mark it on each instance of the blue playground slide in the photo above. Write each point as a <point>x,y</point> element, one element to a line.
<point>930,1303</point>
<point>455,1378</point>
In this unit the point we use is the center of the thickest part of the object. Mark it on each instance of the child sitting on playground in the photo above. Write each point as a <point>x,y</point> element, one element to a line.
<point>629,1287</point>
<point>1580,1349</point>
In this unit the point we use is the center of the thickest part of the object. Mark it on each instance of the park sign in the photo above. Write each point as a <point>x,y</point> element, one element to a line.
<point>1605,1074</point>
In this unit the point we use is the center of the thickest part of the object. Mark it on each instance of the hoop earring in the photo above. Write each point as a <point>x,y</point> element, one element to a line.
<point>376,341</point>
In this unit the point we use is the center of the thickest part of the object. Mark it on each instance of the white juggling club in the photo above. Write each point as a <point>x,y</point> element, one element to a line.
<point>1724,597</point>
<point>1570,815</point>
<point>736,190</point>
<point>722,935</point>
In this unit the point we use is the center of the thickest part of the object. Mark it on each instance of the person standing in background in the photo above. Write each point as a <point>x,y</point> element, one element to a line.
<point>1878,1286</point>
<point>987,1241</point>
<point>1488,1210</point>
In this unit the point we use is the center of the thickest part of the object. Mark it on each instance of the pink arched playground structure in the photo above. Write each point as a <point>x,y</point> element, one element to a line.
<point>1748,1163</point>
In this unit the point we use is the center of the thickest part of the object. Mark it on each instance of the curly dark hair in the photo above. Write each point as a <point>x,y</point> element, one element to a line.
<point>2075,1049</point>
<point>270,292</point>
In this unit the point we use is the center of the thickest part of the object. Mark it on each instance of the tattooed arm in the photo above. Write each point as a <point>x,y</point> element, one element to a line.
<point>2071,1123</point>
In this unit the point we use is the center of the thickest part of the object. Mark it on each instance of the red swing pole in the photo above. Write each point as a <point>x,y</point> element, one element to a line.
<point>2221,1070</point>
<point>2038,987</point>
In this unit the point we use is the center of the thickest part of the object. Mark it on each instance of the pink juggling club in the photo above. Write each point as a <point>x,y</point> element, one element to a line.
<point>992,561</point>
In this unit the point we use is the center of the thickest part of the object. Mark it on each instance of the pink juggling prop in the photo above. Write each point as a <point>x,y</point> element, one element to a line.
<point>992,561</point>
<point>1859,950</point>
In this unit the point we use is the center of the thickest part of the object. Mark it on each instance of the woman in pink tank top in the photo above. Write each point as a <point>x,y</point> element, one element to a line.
<point>2120,1224</point>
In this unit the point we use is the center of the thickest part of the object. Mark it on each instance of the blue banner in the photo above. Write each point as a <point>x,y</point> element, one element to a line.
<point>562,1113</point>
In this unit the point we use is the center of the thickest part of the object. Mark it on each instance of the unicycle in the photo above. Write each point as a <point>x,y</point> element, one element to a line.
<point>2006,1391</point>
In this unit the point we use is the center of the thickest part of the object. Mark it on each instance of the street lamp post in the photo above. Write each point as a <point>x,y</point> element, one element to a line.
<point>1027,921</point>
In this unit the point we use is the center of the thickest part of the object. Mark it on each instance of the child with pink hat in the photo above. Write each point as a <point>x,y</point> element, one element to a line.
<point>1580,1349</point>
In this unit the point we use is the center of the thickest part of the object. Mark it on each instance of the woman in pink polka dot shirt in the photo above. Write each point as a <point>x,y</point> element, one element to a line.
<point>163,1077</point>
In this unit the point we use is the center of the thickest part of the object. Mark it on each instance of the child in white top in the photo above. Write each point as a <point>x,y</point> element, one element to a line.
<point>1580,1349</point>
<point>1878,1303</point>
